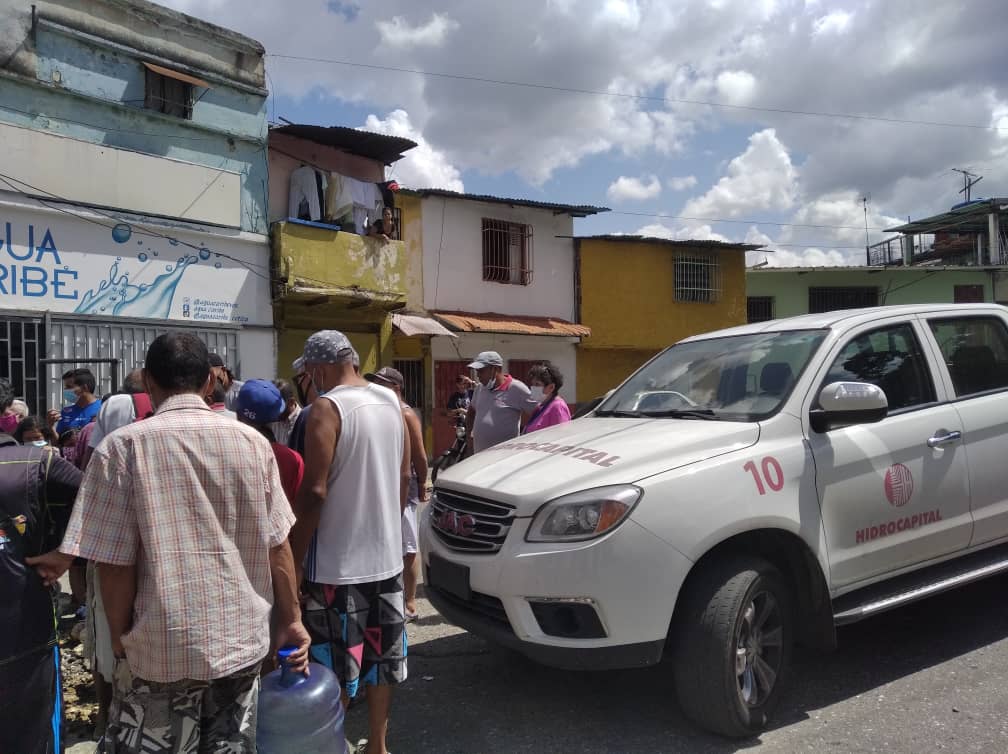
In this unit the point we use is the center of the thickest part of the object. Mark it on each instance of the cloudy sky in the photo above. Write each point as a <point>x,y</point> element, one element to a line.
<point>616,117</point>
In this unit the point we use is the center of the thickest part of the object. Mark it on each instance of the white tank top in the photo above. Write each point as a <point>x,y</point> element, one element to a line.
<point>359,536</point>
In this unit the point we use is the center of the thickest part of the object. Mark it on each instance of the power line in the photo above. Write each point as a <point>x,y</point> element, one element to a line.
<point>639,97</point>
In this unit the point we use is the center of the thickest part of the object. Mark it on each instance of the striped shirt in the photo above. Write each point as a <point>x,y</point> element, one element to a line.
<point>194,500</point>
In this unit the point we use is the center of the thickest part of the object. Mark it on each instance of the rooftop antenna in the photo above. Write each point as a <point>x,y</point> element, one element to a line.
<point>969,181</point>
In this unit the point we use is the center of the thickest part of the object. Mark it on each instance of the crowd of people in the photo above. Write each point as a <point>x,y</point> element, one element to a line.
<point>206,522</point>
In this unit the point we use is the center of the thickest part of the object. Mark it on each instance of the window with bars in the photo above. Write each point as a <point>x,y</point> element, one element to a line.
<point>507,252</point>
<point>413,382</point>
<point>697,278</point>
<point>759,308</point>
<point>831,298</point>
<point>168,95</point>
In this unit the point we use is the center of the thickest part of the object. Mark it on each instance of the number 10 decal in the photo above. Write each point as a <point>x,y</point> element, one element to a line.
<point>773,474</point>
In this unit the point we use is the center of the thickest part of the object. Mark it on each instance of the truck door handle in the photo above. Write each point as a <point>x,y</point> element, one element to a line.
<point>944,437</point>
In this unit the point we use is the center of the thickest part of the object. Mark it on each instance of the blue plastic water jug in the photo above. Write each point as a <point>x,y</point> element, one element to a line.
<point>300,714</point>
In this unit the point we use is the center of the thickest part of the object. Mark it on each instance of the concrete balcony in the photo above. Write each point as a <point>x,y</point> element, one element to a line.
<point>316,264</point>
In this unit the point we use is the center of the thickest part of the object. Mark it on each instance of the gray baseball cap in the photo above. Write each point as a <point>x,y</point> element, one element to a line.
<point>327,347</point>
<point>487,359</point>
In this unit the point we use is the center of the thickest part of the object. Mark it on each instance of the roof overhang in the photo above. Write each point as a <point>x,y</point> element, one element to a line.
<point>574,210</point>
<point>385,149</point>
<point>412,325</point>
<point>511,324</point>
<point>351,298</point>
<point>177,75</point>
<point>968,218</point>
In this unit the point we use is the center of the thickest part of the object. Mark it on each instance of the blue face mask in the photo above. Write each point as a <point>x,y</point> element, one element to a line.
<point>69,397</point>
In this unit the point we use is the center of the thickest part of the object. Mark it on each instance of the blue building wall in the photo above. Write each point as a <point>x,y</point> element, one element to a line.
<point>94,91</point>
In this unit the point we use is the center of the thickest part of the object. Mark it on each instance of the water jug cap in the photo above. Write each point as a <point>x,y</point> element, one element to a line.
<point>285,652</point>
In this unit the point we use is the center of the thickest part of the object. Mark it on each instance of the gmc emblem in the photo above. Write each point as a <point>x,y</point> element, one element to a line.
<point>453,522</point>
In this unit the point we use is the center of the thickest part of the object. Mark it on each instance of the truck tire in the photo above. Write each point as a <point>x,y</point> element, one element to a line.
<point>732,645</point>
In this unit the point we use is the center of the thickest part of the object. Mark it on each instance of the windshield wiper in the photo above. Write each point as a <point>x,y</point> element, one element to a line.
<point>684,413</point>
<point>620,414</point>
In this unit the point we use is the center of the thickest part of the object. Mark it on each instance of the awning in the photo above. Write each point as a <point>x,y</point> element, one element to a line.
<point>178,75</point>
<point>412,324</point>
<point>512,324</point>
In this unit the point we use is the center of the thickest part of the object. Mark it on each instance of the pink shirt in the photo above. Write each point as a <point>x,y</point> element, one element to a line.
<point>557,412</point>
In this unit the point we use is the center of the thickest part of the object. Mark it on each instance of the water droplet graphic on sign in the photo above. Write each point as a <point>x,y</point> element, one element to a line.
<point>204,254</point>
<point>218,265</point>
<point>173,241</point>
<point>142,257</point>
<point>121,233</point>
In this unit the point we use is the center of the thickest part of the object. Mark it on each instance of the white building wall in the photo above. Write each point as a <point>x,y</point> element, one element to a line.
<point>453,260</point>
<point>257,346</point>
<point>560,351</point>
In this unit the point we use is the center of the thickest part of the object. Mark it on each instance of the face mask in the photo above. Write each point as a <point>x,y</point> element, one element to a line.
<point>317,383</point>
<point>537,393</point>
<point>69,396</point>
<point>39,443</point>
<point>8,423</point>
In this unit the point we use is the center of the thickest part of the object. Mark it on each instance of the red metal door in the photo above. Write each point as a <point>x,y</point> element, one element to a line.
<point>519,368</point>
<point>445,374</point>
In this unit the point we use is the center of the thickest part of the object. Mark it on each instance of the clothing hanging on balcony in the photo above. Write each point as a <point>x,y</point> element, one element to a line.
<point>305,194</point>
<point>339,205</point>
<point>367,203</point>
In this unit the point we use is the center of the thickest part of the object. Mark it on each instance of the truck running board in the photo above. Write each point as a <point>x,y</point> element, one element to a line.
<point>917,585</point>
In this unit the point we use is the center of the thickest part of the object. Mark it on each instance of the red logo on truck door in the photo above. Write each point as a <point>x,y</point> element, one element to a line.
<point>899,485</point>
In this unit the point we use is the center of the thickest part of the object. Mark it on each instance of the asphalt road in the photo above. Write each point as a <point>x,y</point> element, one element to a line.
<point>926,678</point>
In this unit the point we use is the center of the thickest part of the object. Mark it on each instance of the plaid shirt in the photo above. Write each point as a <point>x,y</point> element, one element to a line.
<point>195,501</point>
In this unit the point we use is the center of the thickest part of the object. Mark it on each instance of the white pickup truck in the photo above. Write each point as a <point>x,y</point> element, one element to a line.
<point>744,490</point>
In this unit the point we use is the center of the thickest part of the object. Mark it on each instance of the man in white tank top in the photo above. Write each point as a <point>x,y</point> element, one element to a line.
<point>348,535</point>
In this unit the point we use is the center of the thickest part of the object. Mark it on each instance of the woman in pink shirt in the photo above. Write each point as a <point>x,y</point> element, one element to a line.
<point>545,381</point>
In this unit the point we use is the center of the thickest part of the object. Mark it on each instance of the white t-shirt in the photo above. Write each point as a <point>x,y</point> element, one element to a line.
<point>359,536</point>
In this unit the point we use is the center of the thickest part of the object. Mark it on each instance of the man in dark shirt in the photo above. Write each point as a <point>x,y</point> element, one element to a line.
<point>37,490</point>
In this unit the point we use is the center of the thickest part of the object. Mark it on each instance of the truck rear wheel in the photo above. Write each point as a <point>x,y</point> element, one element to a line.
<point>733,645</point>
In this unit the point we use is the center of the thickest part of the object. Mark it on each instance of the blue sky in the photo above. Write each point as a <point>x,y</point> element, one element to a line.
<point>892,59</point>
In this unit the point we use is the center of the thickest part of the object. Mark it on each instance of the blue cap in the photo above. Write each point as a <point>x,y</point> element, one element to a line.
<point>259,402</point>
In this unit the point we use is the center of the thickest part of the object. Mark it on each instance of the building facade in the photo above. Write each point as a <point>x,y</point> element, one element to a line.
<point>500,275</point>
<point>786,292</point>
<point>132,193</point>
<point>639,295</point>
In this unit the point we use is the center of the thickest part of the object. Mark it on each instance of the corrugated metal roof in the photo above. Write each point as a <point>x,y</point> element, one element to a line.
<point>965,218</point>
<point>512,324</point>
<point>386,149</point>
<point>676,242</point>
<point>173,74</point>
<point>574,210</point>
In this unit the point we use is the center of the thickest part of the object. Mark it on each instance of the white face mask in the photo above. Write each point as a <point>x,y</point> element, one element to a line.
<point>537,393</point>
<point>39,443</point>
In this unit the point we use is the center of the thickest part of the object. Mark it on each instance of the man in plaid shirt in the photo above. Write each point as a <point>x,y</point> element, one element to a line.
<point>185,516</point>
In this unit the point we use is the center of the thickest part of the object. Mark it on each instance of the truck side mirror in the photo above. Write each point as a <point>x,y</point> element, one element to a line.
<point>845,403</point>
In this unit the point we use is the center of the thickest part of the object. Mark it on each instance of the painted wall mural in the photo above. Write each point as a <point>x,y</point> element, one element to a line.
<point>71,264</point>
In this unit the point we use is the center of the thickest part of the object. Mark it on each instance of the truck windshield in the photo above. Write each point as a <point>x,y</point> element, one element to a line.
<point>735,378</point>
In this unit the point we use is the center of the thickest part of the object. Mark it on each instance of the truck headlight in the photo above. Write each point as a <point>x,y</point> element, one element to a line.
<point>583,515</point>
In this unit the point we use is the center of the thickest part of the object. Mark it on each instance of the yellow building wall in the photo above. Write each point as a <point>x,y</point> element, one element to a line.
<point>290,345</point>
<point>411,233</point>
<point>627,298</point>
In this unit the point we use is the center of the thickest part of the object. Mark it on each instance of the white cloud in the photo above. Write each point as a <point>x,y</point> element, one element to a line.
<point>623,13</point>
<point>626,188</point>
<point>399,33</point>
<point>422,167</point>
<point>760,179</point>
<point>736,87</point>
<point>835,22</point>
<point>689,232</point>
<point>681,183</point>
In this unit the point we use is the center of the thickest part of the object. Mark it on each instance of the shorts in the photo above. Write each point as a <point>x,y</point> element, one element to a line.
<point>182,717</point>
<point>409,529</point>
<point>359,631</point>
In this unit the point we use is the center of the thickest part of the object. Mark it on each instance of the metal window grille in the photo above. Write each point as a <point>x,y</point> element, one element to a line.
<point>22,344</point>
<point>968,294</point>
<point>759,308</point>
<point>413,382</point>
<point>507,252</point>
<point>167,95</point>
<point>697,278</point>
<point>829,298</point>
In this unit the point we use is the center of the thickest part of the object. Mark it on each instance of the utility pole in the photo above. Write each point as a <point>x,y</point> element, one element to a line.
<point>969,181</point>
<point>867,249</point>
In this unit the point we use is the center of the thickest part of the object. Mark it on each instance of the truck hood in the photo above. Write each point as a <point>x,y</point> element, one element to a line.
<point>591,452</point>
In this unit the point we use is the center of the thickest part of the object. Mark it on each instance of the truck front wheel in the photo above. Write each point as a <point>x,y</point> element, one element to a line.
<point>732,644</point>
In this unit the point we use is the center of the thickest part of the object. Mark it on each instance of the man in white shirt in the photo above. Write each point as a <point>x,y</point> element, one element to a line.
<point>348,534</point>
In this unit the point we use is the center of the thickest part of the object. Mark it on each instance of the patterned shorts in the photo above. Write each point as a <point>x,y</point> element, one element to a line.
<point>359,631</point>
<point>188,717</point>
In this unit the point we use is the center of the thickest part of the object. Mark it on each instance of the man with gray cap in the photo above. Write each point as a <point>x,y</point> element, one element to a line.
<point>348,535</point>
<point>497,405</point>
